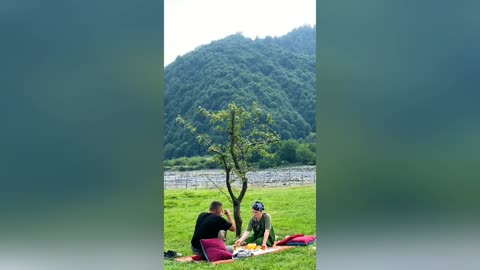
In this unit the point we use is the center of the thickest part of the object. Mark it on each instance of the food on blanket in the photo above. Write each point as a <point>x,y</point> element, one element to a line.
<point>242,254</point>
<point>264,247</point>
<point>251,246</point>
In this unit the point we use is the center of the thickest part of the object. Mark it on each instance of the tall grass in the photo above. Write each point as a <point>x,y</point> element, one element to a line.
<point>292,210</point>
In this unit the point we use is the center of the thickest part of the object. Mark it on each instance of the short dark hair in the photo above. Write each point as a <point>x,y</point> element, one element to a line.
<point>215,205</point>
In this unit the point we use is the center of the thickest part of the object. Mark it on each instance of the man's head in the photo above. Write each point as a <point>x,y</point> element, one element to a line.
<point>216,207</point>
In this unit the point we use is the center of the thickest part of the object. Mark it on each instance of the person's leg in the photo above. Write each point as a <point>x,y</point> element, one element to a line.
<point>197,251</point>
<point>259,241</point>
<point>222,235</point>
<point>250,239</point>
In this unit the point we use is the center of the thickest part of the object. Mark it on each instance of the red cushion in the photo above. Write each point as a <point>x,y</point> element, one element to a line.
<point>214,249</point>
<point>284,241</point>
<point>302,240</point>
<point>198,257</point>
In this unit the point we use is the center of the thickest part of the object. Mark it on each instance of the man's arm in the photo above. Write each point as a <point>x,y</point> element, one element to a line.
<point>230,219</point>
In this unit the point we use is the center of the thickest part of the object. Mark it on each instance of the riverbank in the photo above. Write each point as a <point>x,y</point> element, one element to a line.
<point>206,179</point>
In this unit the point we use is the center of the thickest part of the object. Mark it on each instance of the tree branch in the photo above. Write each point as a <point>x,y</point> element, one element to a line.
<point>233,140</point>
<point>243,191</point>
<point>216,152</point>
<point>241,150</point>
<point>227,179</point>
<point>264,142</point>
<point>221,190</point>
<point>229,188</point>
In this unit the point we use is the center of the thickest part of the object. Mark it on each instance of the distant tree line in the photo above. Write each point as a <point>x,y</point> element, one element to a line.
<point>285,152</point>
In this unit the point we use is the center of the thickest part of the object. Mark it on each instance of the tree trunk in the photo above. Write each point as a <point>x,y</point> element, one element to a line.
<point>237,202</point>
<point>238,218</point>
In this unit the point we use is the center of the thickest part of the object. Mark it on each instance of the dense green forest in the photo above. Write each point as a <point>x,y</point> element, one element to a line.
<point>288,152</point>
<point>278,73</point>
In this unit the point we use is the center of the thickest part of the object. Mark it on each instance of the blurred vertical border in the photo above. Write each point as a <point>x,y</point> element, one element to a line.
<point>398,134</point>
<point>81,134</point>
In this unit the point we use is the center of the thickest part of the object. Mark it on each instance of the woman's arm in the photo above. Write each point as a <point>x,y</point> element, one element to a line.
<point>265,237</point>
<point>268,225</point>
<point>244,236</point>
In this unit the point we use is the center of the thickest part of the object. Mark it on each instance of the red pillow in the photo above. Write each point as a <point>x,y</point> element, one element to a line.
<point>284,241</point>
<point>198,257</point>
<point>214,249</point>
<point>302,241</point>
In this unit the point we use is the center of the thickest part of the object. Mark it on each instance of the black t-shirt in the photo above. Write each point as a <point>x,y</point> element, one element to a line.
<point>208,225</point>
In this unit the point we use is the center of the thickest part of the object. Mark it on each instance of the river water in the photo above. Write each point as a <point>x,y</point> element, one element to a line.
<point>285,176</point>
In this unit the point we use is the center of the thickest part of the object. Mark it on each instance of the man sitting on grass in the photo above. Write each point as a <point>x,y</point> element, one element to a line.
<point>212,225</point>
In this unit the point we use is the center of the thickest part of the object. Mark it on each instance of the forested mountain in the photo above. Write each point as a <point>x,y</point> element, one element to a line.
<point>276,72</point>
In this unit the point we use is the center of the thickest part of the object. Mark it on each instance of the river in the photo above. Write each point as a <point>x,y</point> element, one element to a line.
<point>284,176</point>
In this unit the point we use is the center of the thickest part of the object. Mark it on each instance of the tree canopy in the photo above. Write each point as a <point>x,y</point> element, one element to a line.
<point>244,132</point>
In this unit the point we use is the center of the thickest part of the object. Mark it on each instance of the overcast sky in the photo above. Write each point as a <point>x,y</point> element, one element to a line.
<point>191,23</point>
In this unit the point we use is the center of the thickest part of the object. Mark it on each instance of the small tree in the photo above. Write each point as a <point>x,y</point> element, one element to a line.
<point>246,132</point>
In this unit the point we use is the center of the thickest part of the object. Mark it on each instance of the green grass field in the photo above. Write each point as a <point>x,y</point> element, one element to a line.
<point>292,210</point>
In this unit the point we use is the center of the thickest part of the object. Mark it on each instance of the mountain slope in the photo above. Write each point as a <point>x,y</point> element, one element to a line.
<point>278,73</point>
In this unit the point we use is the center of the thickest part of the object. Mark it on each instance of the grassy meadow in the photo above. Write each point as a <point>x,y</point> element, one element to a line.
<point>292,210</point>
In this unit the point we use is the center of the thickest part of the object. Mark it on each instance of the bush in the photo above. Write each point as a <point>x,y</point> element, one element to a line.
<point>212,164</point>
<point>288,151</point>
<point>194,161</point>
<point>305,155</point>
<point>285,153</point>
<point>179,162</point>
<point>266,163</point>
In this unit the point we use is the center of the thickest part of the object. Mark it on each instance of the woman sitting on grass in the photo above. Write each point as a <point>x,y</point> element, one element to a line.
<point>261,223</point>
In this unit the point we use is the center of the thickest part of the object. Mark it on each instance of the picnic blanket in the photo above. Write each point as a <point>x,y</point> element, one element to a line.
<point>255,253</point>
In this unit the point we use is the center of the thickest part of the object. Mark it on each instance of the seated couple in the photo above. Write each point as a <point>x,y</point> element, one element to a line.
<point>213,225</point>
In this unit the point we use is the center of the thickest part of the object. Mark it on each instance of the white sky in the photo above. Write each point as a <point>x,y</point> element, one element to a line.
<point>191,23</point>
